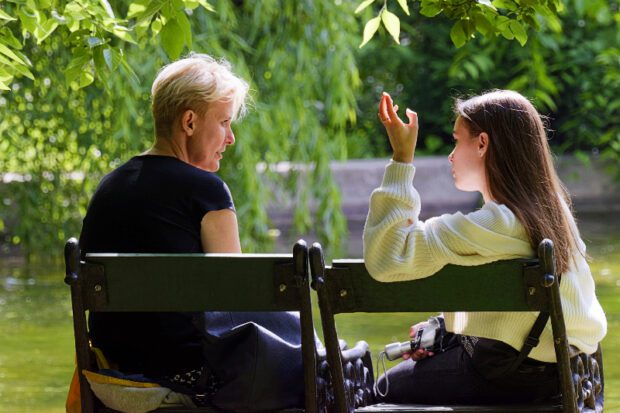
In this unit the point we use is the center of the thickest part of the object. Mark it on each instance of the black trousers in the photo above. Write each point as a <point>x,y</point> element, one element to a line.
<point>455,377</point>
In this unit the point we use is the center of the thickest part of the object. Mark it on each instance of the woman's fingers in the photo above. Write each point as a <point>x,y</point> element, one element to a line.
<point>413,118</point>
<point>390,108</point>
<point>383,114</point>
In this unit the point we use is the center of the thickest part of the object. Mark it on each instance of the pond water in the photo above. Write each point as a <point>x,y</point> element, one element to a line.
<point>36,338</point>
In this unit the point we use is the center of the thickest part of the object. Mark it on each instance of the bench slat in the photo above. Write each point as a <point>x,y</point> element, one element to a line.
<point>146,282</point>
<point>489,287</point>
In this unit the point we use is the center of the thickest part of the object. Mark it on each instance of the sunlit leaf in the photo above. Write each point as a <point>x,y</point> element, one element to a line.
<point>86,78</point>
<point>124,33</point>
<point>363,5</point>
<point>191,4</point>
<point>9,53</point>
<point>370,29</point>
<point>205,4</point>
<point>6,16</point>
<point>487,3</point>
<point>136,9</point>
<point>44,30</point>
<point>404,6</point>
<point>392,24</point>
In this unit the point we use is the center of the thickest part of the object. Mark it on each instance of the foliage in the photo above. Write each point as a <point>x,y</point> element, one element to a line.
<point>78,103</point>
<point>573,76</point>
<point>510,19</point>
<point>92,30</point>
<point>63,138</point>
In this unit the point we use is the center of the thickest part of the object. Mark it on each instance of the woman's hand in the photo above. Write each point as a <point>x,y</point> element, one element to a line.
<point>420,353</point>
<point>403,137</point>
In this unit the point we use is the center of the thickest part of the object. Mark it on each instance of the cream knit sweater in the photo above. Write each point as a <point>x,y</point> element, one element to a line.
<point>398,246</point>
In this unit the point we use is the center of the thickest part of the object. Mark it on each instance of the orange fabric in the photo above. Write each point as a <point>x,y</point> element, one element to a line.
<point>74,401</point>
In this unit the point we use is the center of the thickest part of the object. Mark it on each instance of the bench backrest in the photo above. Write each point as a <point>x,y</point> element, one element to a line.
<point>515,285</point>
<point>500,286</point>
<point>190,282</point>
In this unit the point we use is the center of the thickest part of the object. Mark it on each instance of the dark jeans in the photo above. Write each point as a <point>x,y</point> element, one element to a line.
<point>456,378</point>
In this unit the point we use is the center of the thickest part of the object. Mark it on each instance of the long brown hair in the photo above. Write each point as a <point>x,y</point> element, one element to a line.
<point>519,167</point>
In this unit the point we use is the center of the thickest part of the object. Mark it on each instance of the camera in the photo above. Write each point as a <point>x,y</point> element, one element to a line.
<point>428,338</point>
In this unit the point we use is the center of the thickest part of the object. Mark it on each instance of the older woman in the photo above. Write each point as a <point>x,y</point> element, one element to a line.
<point>169,200</point>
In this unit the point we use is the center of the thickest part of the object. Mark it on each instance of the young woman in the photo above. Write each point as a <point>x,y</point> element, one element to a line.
<point>500,151</point>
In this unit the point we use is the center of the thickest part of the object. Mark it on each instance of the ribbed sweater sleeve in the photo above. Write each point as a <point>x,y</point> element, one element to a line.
<point>398,246</point>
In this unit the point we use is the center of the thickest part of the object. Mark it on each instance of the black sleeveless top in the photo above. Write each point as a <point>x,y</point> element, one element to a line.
<point>151,204</point>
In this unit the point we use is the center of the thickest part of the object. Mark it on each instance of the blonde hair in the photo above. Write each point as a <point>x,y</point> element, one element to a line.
<point>192,83</point>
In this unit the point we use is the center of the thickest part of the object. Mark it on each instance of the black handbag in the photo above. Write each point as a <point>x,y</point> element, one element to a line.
<point>256,359</point>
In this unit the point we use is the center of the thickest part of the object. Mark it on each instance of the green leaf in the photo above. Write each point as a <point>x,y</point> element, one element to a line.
<point>145,9</point>
<point>9,53</point>
<point>505,4</point>
<point>487,3</point>
<point>404,6</point>
<point>483,25</point>
<point>503,26</point>
<point>7,37</point>
<point>370,29</point>
<point>156,26</point>
<point>363,5</point>
<point>185,29</point>
<point>206,5</point>
<point>6,16</point>
<point>519,32</point>
<point>136,9</point>
<point>457,34</point>
<point>123,33</point>
<point>431,10</point>
<point>76,65</point>
<point>172,39</point>
<point>191,4</point>
<point>86,78</point>
<point>392,24</point>
<point>44,29</point>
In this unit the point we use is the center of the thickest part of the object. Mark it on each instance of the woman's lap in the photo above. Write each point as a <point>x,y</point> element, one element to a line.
<point>450,377</point>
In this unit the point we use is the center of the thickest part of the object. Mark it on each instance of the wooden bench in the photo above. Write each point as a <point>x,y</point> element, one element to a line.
<point>189,283</point>
<point>515,285</point>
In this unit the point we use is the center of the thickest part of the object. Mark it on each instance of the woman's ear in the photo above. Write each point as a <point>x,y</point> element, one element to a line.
<point>483,143</point>
<point>188,122</point>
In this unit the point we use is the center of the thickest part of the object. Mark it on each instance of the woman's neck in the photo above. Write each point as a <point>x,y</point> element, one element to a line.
<point>168,147</point>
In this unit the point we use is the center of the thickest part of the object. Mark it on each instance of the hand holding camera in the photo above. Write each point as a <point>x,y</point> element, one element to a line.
<point>426,339</point>
<point>419,353</point>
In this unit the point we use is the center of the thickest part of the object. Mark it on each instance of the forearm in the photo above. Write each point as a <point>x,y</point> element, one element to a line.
<point>396,245</point>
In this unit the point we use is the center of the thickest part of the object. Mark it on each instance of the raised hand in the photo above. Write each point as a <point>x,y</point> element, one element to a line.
<point>403,137</point>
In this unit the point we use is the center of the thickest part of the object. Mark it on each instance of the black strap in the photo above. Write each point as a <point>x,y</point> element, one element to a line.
<point>532,340</point>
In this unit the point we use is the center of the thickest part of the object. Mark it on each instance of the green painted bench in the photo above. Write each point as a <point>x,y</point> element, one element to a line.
<point>187,283</point>
<point>515,285</point>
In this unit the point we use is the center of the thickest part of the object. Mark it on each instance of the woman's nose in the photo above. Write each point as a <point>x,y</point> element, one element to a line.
<point>451,157</point>
<point>230,139</point>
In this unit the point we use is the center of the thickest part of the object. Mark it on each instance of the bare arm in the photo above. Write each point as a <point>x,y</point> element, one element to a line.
<point>219,232</point>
